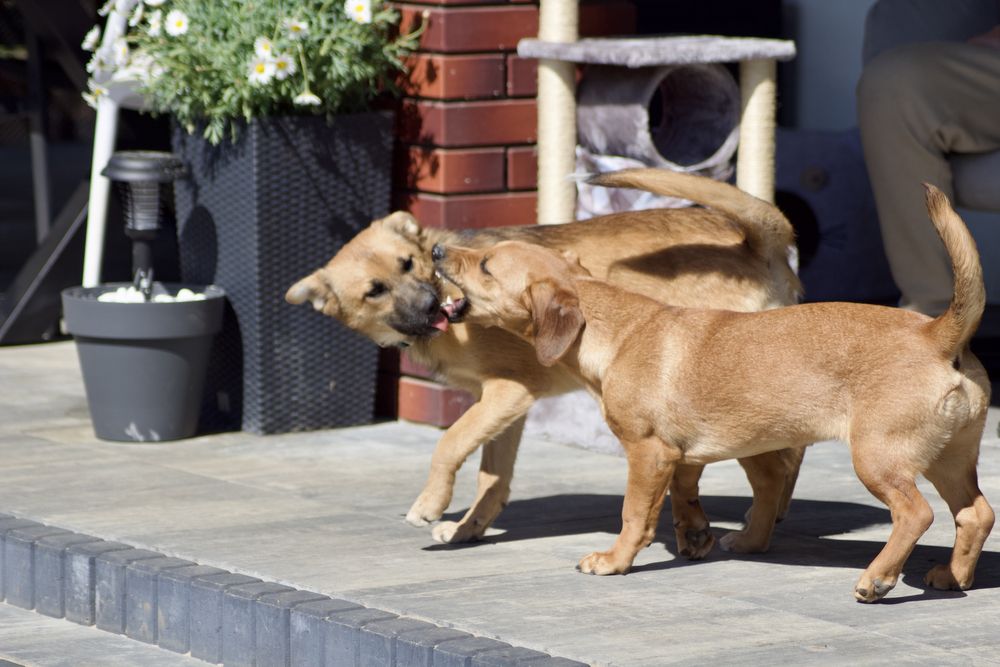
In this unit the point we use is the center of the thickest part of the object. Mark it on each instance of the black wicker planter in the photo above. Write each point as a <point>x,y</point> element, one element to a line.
<point>255,216</point>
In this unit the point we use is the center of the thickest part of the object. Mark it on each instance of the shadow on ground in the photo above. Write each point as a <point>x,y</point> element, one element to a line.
<point>803,538</point>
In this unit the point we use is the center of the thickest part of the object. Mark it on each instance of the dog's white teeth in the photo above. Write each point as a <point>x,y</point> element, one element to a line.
<point>448,301</point>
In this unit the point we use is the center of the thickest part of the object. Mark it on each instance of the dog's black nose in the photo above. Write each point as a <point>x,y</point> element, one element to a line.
<point>437,252</point>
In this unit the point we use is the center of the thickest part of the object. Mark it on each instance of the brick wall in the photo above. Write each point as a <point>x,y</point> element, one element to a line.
<point>465,150</point>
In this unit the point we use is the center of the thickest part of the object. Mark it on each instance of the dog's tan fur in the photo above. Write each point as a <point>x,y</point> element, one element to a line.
<point>692,386</point>
<point>733,256</point>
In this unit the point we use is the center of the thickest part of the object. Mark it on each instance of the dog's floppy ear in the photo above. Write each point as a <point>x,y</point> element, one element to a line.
<point>556,319</point>
<point>404,224</point>
<point>314,289</point>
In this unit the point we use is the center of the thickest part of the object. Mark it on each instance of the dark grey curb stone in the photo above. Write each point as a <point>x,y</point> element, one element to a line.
<point>343,634</point>
<point>502,657</point>
<point>307,626</point>
<point>8,523</point>
<point>80,579</point>
<point>272,627</point>
<point>141,595</point>
<point>109,586</point>
<point>173,605</point>
<point>206,613</point>
<point>238,615</point>
<point>19,563</point>
<point>220,616</point>
<point>416,649</point>
<point>50,571</point>
<point>460,652</point>
<point>377,644</point>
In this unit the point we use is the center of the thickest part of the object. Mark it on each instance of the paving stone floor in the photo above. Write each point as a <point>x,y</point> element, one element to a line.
<point>323,512</point>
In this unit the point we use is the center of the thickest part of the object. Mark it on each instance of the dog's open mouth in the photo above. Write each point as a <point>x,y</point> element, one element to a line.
<point>452,311</point>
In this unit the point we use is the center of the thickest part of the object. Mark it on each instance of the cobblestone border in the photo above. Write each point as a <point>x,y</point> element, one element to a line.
<point>219,616</point>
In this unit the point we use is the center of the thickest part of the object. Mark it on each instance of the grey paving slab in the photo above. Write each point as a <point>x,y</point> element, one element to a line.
<point>30,639</point>
<point>80,579</point>
<point>308,630</point>
<point>206,598</point>
<point>19,563</point>
<point>323,512</point>
<point>141,593</point>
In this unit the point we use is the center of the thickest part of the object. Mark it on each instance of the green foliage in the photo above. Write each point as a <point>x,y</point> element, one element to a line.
<point>211,71</point>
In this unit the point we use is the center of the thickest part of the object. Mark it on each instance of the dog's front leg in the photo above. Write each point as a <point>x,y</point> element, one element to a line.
<point>691,527</point>
<point>651,465</point>
<point>495,473</point>
<point>502,402</point>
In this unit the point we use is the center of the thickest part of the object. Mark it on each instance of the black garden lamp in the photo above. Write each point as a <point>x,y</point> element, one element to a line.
<point>142,179</point>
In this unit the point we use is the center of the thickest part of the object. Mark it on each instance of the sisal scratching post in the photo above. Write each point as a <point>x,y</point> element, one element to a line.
<point>557,22</point>
<point>755,159</point>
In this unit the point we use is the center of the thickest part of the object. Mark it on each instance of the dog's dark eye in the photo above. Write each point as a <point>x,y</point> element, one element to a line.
<point>406,264</point>
<point>377,289</point>
<point>482,266</point>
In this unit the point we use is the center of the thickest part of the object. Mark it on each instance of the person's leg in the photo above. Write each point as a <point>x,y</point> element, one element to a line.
<point>916,104</point>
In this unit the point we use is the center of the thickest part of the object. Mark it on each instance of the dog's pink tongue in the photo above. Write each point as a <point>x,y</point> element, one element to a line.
<point>441,321</point>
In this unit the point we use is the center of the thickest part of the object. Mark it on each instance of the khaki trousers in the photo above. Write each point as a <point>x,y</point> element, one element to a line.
<point>916,104</point>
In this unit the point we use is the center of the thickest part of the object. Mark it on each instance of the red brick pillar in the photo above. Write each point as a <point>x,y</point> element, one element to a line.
<point>465,154</point>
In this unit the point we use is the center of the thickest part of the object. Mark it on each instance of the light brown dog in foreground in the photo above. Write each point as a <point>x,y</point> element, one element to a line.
<point>731,255</point>
<point>692,386</point>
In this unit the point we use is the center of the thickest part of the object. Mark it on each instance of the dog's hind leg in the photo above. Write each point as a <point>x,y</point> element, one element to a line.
<point>502,403</point>
<point>772,477</point>
<point>496,469</point>
<point>891,481</point>
<point>954,476</point>
<point>694,536</point>
<point>651,465</point>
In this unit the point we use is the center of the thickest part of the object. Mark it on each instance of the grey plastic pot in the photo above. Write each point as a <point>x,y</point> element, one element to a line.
<point>143,364</point>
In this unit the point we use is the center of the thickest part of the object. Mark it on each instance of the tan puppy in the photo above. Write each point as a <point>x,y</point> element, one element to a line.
<point>691,386</point>
<point>734,255</point>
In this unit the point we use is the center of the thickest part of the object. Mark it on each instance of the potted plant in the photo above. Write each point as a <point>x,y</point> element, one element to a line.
<point>273,107</point>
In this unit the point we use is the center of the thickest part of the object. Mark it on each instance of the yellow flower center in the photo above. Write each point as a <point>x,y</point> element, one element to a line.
<point>281,64</point>
<point>260,68</point>
<point>359,8</point>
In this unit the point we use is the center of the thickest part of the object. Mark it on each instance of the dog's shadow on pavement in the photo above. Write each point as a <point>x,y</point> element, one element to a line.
<point>802,538</point>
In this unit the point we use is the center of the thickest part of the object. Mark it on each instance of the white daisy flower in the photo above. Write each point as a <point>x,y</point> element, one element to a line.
<point>136,17</point>
<point>260,71</point>
<point>155,3</point>
<point>96,93</point>
<point>177,23</point>
<point>100,65</point>
<point>92,39</point>
<point>155,23</point>
<point>121,52</point>
<point>284,66</point>
<point>307,99</point>
<point>359,10</point>
<point>263,47</point>
<point>295,28</point>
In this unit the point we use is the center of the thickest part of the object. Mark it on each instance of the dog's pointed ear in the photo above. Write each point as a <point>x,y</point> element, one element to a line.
<point>404,224</point>
<point>556,319</point>
<point>315,290</point>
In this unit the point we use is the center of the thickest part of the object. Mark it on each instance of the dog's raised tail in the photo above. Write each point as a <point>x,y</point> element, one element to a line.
<point>955,326</point>
<point>763,225</point>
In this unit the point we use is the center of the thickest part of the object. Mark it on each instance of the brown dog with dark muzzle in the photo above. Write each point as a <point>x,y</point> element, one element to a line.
<point>690,386</point>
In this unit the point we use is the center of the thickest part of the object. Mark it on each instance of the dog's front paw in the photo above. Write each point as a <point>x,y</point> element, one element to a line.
<point>942,578</point>
<point>603,562</point>
<point>872,590</point>
<point>695,544</point>
<point>453,532</point>
<point>742,542</point>
<point>426,508</point>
